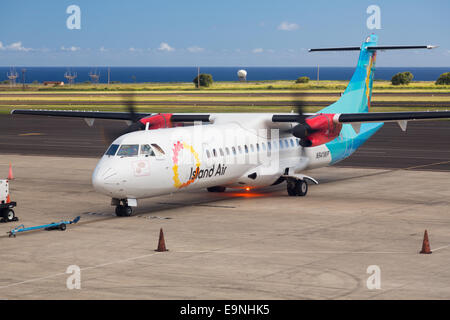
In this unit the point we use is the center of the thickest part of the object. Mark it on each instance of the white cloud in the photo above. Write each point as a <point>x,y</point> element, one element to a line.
<point>258,50</point>
<point>102,49</point>
<point>164,46</point>
<point>286,26</point>
<point>132,49</point>
<point>195,49</point>
<point>71,49</point>
<point>15,46</point>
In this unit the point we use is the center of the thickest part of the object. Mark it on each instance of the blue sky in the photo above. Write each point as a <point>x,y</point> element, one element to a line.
<point>217,33</point>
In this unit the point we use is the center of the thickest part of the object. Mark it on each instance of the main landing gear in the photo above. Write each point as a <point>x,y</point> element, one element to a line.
<point>297,187</point>
<point>123,209</point>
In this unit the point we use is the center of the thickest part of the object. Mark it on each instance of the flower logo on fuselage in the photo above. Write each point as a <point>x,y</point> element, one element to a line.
<point>177,148</point>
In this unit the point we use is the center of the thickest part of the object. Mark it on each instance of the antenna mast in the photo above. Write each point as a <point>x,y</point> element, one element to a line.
<point>95,76</point>
<point>12,76</point>
<point>70,76</point>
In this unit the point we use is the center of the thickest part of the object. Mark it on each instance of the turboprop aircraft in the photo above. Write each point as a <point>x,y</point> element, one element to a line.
<point>166,153</point>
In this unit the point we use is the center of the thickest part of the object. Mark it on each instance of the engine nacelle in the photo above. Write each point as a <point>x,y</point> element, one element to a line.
<point>317,130</point>
<point>158,121</point>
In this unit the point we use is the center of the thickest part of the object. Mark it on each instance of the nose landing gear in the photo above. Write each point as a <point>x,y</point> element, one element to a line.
<point>124,211</point>
<point>122,208</point>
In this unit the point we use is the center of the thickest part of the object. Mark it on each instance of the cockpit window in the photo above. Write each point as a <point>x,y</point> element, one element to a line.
<point>146,150</point>
<point>112,150</point>
<point>128,150</point>
<point>158,148</point>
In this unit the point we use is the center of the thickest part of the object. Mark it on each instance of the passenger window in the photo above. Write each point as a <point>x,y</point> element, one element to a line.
<point>128,150</point>
<point>233,149</point>
<point>239,149</point>
<point>257,147</point>
<point>146,150</point>
<point>158,148</point>
<point>246,148</point>
<point>214,153</point>
<point>221,152</point>
<point>112,150</point>
<point>281,144</point>
<point>252,148</point>
<point>269,145</point>
<point>286,143</point>
<point>227,151</point>
<point>292,143</point>
<point>208,154</point>
<point>263,146</point>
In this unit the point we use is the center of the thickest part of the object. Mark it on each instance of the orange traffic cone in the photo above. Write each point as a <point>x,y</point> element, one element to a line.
<point>10,174</point>
<point>8,199</point>
<point>161,242</point>
<point>426,244</point>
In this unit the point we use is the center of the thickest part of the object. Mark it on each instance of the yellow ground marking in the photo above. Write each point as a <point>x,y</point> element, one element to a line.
<point>31,134</point>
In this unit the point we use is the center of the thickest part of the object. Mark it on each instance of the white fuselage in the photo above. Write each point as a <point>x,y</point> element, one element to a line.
<point>227,153</point>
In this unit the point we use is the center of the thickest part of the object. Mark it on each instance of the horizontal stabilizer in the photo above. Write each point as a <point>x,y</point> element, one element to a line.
<point>336,49</point>
<point>373,48</point>
<point>399,47</point>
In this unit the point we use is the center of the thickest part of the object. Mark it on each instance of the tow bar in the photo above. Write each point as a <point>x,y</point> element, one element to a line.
<point>52,226</point>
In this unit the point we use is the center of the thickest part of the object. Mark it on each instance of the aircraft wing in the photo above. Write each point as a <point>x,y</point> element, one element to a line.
<point>391,116</point>
<point>80,114</point>
<point>287,117</point>
<point>176,117</point>
<point>373,116</point>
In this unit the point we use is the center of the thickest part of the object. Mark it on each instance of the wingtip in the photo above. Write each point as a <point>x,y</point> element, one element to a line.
<point>430,46</point>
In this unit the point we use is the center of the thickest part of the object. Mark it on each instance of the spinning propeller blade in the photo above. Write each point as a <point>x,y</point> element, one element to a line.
<point>109,135</point>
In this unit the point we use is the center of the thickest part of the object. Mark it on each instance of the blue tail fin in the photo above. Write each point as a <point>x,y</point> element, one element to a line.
<point>356,97</point>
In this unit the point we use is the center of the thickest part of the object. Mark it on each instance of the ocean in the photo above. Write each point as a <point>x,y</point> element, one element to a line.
<point>187,74</point>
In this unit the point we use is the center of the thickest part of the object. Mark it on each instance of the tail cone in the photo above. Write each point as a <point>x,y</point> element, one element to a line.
<point>161,242</point>
<point>426,244</point>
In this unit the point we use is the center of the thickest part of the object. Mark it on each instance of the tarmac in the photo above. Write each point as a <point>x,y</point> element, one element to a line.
<point>236,245</point>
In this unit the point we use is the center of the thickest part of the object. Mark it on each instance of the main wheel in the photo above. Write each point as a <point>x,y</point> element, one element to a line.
<point>124,211</point>
<point>216,189</point>
<point>119,210</point>
<point>127,211</point>
<point>301,188</point>
<point>9,215</point>
<point>291,188</point>
<point>62,226</point>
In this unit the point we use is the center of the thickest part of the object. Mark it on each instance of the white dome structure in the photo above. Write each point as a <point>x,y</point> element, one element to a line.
<point>242,74</point>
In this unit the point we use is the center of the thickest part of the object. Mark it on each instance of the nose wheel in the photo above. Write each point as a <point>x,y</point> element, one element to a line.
<point>124,211</point>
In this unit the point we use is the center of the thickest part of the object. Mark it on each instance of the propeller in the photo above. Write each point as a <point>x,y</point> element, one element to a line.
<point>302,130</point>
<point>111,134</point>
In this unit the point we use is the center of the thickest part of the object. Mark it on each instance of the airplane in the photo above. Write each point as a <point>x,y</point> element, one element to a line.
<point>166,153</point>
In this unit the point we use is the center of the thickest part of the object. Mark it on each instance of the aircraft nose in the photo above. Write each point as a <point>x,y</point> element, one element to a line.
<point>103,177</point>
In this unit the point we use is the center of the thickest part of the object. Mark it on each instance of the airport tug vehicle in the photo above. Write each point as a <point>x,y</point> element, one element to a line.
<point>6,205</point>
<point>62,225</point>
